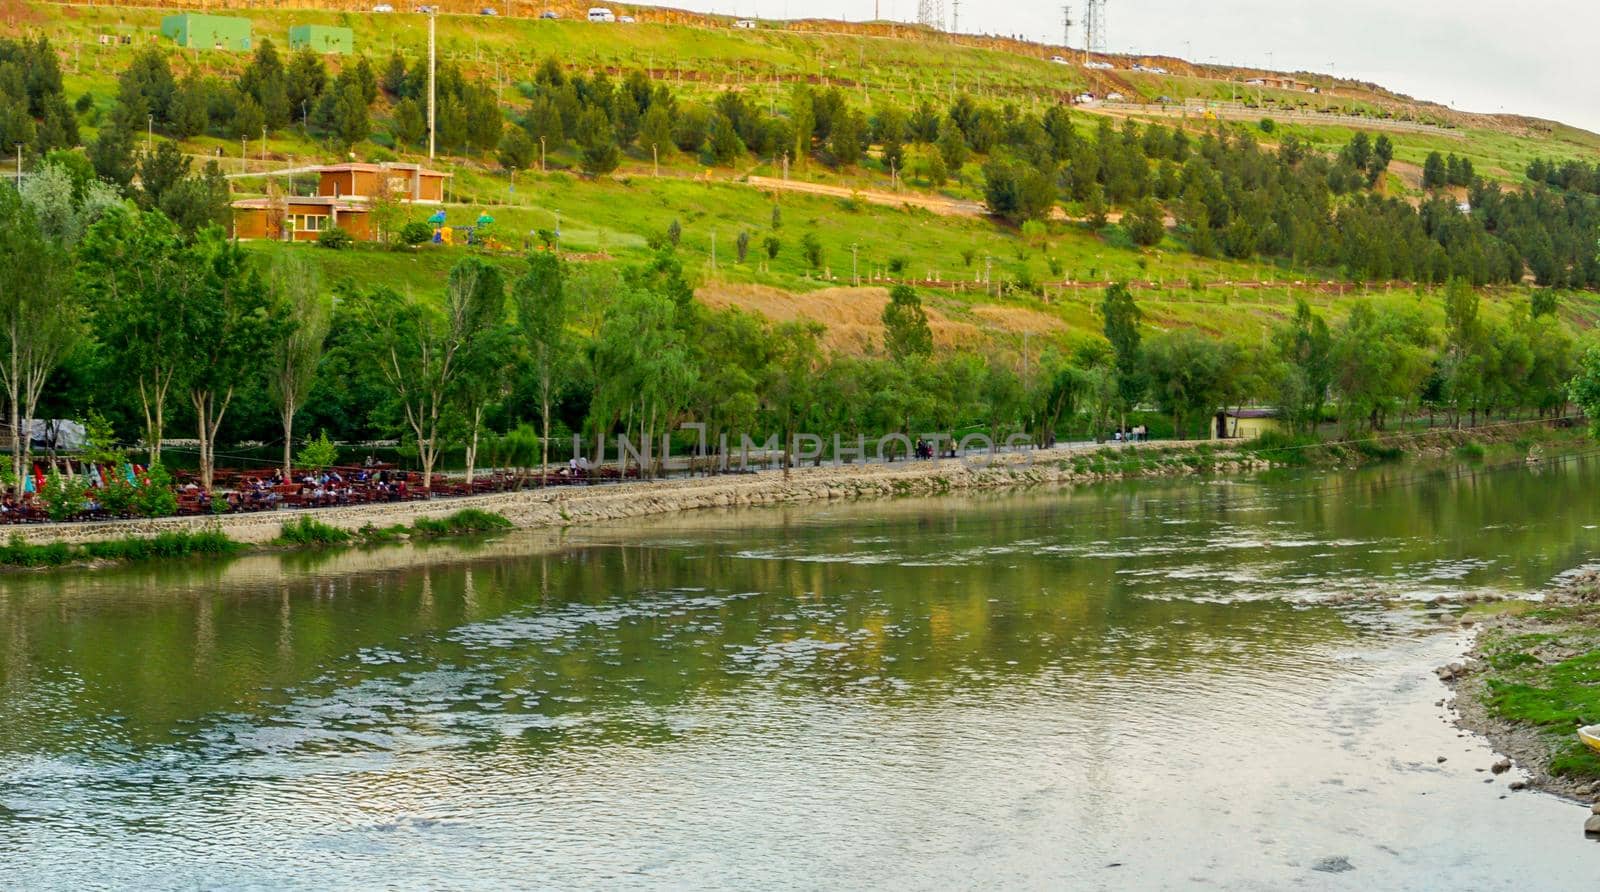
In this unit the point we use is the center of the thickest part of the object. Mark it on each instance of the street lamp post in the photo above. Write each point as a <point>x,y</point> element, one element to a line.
<point>149,134</point>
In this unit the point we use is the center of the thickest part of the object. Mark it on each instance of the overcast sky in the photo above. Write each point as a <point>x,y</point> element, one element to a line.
<point>1535,58</point>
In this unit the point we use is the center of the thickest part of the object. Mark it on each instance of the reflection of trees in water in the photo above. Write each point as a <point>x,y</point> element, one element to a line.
<point>601,638</point>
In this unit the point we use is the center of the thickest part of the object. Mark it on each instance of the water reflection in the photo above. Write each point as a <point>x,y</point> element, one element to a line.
<point>972,675</point>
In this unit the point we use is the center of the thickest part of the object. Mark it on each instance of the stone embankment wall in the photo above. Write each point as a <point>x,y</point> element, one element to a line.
<point>579,505</point>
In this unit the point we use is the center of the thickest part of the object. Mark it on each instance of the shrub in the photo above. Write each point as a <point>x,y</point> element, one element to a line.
<point>773,245</point>
<point>1283,449</point>
<point>310,531</point>
<point>335,239</point>
<point>812,246</point>
<point>467,520</point>
<point>416,233</point>
<point>17,553</point>
<point>156,498</point>
<point>1471,451</point>
<point>319,453</point>
<point>1370,448</point>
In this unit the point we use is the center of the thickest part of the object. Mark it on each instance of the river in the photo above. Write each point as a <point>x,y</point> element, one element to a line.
<point>1151,685</point>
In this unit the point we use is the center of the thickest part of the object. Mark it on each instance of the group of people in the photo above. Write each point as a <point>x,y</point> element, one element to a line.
<point>1135,435</point>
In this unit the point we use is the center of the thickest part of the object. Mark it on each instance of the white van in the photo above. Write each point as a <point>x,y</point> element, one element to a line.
<point>601,14</point>
<point>745,24</point>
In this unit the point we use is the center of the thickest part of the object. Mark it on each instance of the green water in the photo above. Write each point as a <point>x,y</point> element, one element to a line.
<point>1153,686</point>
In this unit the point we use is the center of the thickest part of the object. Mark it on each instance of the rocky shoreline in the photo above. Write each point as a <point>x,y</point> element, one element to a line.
<point>1517,644</point>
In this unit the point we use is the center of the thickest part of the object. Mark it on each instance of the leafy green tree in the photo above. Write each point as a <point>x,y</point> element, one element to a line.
<point>1381,357</point>
<point>137,278</point>
<point>66,199</point>
<point>1018,192</point>
<point>417,350</point>
<point>811,246</point>
<point>318,455</point>
<point>905,325</point>
<point>191,108</point>
<point>1096,209</point>
<point>724,145</point>
<point>292,283</point>
<point>160,171</point>
<point>847,142</point>
<point>248,119</point>
<point>304,82</point>
<point>198,201</point>
<point>642,369</point>
<point>517,152</point>
<point>1122,317</point>
<point>146,87</point>
<point>952,145</point>
<point>598,143</point>
<point>542,311</point>
<point>1145,223</point>
<point>1306,347</point>
<point>407,125</point>
<point>1585,388</point>
<point>1190,375</point>
<point>229,331</point>
<point>1467,353</point>
<point>111,153</point>
<point>41,316</point>
<point>265,81</point>
<point>655,130</point>
<point>1434,175</point>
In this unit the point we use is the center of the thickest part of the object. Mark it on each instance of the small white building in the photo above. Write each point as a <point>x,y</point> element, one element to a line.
<point>745,24</point>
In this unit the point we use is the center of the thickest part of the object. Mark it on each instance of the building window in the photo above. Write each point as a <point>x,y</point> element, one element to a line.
<point>309,222</point>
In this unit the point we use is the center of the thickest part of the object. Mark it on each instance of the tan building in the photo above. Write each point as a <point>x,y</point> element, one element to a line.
<point>1245,424</point>
<point>299,218</point>
<point>343,191</point>
<point>402,182</point>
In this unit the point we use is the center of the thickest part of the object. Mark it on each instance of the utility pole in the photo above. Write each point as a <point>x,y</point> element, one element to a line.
<point>955,16</point>
<point>855,269</point>
<point>431,97</point>
<point>541,154</point>
<point>1066,26</point>
<point>149,134</point>
<point>655,160</point>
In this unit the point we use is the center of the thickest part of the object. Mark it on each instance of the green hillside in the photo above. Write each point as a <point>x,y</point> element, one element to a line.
<point>864,229</point>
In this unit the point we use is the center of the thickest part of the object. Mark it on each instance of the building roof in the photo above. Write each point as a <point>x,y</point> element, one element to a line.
<point>267,204</point>
<point>1252,413</point>
<point>381,168</point>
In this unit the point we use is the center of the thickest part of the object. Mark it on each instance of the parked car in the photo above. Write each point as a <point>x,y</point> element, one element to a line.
<point>488,10</point>
<point>601,14</point>
<point>427,10</point>
<point>626,20</point>
<point>383,7</point>
<point>1059,60</point>
<point>550,14</point>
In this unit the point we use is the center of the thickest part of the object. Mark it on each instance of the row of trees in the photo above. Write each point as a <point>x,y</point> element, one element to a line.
<point>111,307</point>
<point>1227,194</point>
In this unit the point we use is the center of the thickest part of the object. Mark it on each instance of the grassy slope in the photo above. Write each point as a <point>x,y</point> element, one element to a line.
<point>616,217</point>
